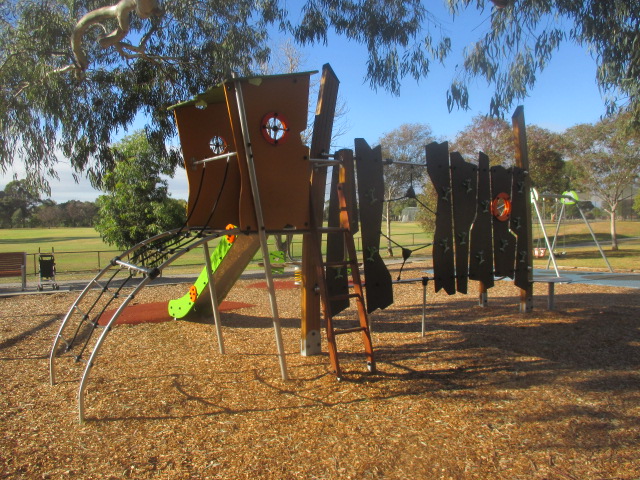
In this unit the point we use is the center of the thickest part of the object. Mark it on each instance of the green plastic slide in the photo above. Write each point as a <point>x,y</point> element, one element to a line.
<point>228,261</point>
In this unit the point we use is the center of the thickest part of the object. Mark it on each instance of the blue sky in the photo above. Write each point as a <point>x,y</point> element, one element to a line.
<point>565,94</point>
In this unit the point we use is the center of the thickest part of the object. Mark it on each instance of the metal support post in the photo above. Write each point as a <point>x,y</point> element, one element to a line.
<point>425,281</point>
<point>593,235</point>
<point>214,298</point>
<point>552,257</point>
<point>261,229</point>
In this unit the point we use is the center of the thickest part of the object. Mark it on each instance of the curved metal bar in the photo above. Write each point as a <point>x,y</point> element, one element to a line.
<point>117,313</point>
<point>96,348</point>
<point>65,320</point>
<point>84,292</point>
<point>206,237</point>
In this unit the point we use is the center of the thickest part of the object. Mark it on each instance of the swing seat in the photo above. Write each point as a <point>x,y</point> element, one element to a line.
<point>539,252</point>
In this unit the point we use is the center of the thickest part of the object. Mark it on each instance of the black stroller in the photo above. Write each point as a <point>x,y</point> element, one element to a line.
<point>47,270</point>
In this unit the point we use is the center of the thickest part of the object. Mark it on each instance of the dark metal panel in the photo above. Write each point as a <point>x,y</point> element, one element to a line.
<point>378,283</point>
<point>504,242</point>
<point>518,226</point>
<point>218,183</point>
<point>481,257</point>
<point>464,182</point>
<point>440,174</point>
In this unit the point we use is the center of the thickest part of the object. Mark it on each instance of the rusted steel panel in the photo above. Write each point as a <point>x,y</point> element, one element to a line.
<point>443,259</point>
<point>282,166</point>
<point>518,226</point>
<point>378,283</point>
<point>464,182</point>
<point>198,128</point>
<point>504,242</point>
<point>481,256</point>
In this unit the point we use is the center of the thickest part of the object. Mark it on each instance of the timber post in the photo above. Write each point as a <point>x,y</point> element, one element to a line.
<point>522,161</point>
<point>310,341</point>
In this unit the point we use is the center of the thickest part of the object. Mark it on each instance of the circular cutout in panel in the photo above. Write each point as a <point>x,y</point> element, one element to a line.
<point>501,207</point>
<point>274,128</point>
<point>218,145</point>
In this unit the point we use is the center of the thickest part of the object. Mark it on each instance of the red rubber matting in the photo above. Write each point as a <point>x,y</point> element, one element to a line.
<point>279,284</point>
<point>156,313</point>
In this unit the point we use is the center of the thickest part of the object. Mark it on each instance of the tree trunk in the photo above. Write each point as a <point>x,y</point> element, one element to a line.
<point>389,249</point>
<point>614,237</point>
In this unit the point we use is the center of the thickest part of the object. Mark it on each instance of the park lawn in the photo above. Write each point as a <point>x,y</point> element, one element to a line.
<point>82,249</point>
<point>625,259</point>
<point>35,240</point>
<point>575,246</point>
<point>76,250</point>
<point>577,231</point>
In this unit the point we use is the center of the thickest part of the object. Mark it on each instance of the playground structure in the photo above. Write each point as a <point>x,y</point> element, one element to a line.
<point>241,144</point>
<point>247,166</point>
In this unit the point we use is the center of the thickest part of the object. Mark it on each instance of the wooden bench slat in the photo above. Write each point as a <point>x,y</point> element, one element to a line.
<point>14,264</point>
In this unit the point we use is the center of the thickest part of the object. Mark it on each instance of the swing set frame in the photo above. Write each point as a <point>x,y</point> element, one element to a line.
<point>564,200</point>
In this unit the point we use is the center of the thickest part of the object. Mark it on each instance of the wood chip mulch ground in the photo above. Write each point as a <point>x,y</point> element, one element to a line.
<point>487,393</point>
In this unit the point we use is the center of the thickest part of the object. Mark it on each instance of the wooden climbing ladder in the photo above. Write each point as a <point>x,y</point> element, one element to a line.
<point>327,297</point>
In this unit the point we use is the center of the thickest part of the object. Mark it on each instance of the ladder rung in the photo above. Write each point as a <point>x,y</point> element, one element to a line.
<point>344,296</point>
<point>341,263</point>
<point>349,330</point>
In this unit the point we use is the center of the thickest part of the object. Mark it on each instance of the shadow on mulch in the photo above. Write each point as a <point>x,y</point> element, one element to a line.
<point>10,342</point>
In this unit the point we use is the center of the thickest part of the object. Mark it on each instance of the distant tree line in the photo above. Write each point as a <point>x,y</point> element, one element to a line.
<point>22,207</point>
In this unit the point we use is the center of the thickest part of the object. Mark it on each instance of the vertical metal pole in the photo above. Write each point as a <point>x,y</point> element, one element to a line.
<point>550,295</point>
<point>214,298</point>
<point>552,257</point>
<point>593,235</point>
<point>555,234</point>
<point>425,280</point>
<point>261,229</point>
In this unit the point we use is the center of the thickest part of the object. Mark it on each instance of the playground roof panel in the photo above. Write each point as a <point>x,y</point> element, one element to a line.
<point>216,94</point>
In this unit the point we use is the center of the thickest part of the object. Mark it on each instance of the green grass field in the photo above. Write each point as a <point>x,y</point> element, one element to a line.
<point>82,250</point>
<point>575,246</point>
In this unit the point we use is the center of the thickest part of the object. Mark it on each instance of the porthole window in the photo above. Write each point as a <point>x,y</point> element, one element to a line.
<point>501,207</point>
<point>218,145</point>
<point>274,128</point>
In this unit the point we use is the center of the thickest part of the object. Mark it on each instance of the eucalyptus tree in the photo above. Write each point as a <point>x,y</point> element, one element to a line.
<point>606,156</point>
<point>490,135</point>
<point>400,147</point>
<point>74,74</point>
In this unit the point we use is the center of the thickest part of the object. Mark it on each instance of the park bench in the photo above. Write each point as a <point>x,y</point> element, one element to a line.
<point>14,264</point>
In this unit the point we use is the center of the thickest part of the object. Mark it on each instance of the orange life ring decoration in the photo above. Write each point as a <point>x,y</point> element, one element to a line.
<point>274,128</point>
<point>193,293</point>
<point>501,207</point>
<point>231,238</point>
